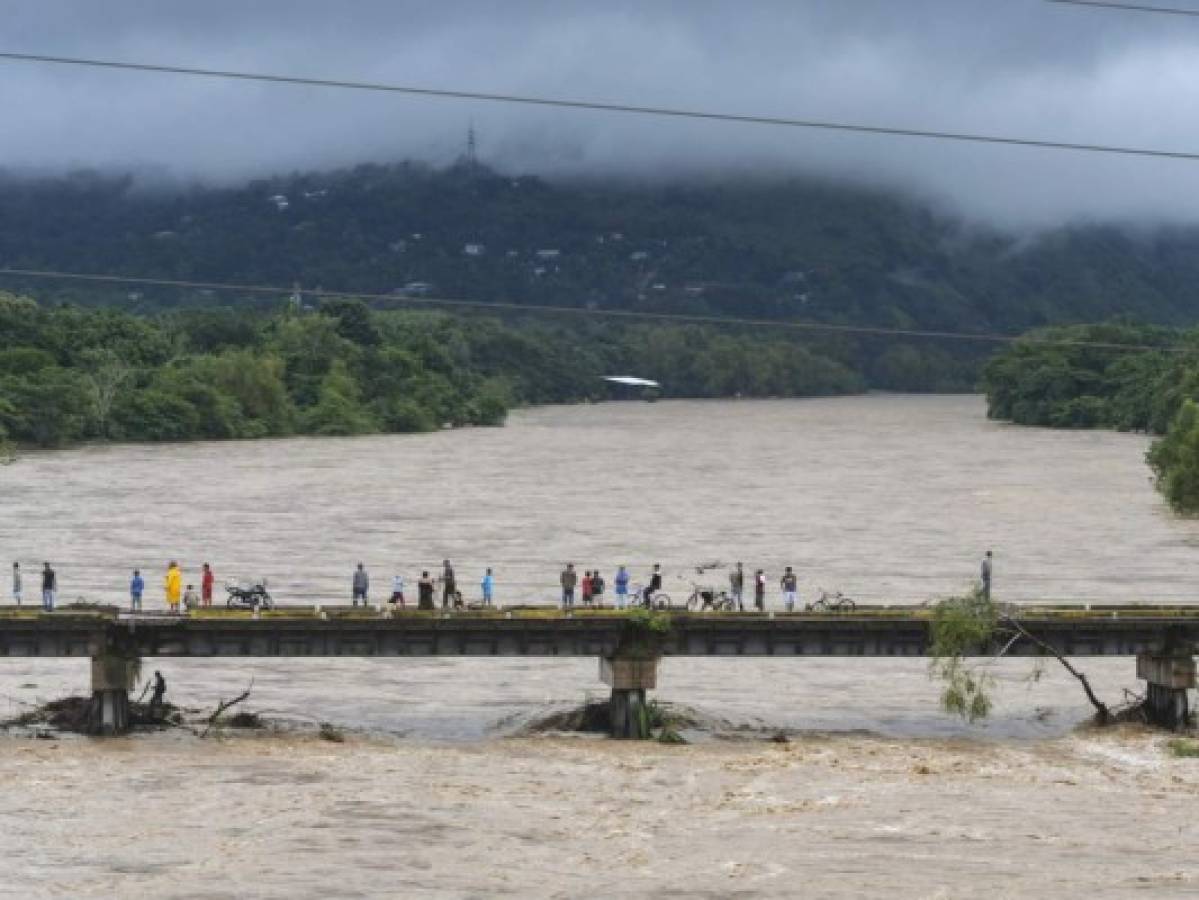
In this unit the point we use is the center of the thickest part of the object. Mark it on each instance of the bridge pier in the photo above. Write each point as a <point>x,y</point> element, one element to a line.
<point>1169,677</point>
<point>629,679</point>
<point>112,677</point>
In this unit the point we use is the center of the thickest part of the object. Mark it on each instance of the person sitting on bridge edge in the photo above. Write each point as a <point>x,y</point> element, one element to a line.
<point>160,688</point>
<point>206,580</point>
<point>49,586</point>
<point>789,583</point>
<point>597,588</point>
<point>737,587</point>
<point>360,585</point>
<point>137,586</point>
<point>760,591</point>
<point>191,599</point>
<point>985,575</point>
<point>16,582</point>
<point>173,583</point>
<point>449,585</point>
<point>655,584</point>
<point>397,589</point>
<point>569,578</point>
<point>488,586</point>
<point>424,592</point>
<point>621,581</point>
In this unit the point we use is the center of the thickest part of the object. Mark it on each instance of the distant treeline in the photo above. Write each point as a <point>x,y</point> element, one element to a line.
<point>69,374</point>
<point>1060,379</point>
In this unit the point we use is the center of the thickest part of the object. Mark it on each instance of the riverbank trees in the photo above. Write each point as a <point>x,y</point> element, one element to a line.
<point>1117,375</point>
<point>69,374</point>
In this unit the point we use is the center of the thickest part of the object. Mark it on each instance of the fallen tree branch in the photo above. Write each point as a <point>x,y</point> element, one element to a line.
<point>1101,709</point>
<point>225,705</point>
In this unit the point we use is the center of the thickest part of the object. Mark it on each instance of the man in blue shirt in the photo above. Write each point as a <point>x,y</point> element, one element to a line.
<point>136,587</point>
<point>621,581</point>
<point>488,587</point>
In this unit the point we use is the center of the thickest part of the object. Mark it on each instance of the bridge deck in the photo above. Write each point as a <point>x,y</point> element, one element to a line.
<point>342,631</point>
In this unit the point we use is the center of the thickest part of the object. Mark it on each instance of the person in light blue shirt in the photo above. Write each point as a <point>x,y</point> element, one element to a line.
<point>621,585</point>
<point>137,587</point>
<point>488,587</point>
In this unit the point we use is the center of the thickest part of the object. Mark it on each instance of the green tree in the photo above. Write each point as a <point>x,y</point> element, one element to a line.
<point>338,410</point>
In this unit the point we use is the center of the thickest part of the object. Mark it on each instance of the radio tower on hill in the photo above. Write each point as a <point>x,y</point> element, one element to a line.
<point>472,154</point>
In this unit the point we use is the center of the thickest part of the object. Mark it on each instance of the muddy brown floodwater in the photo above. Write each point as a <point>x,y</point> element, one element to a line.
<point>888,498</point>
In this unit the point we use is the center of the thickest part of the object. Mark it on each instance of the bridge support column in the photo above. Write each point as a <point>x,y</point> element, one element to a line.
<point>1170,676</point>
<point>629,679</point>
<point>112,677</point>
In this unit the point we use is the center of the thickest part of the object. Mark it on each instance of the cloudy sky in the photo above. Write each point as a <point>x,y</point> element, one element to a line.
<point>1025,68</point>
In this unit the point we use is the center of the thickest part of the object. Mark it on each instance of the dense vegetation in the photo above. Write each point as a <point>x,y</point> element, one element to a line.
<point>72,373</point>
<point>1055,380</point>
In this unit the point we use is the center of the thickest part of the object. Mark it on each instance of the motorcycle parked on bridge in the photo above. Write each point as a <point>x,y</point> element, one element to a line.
<point>253,596</point>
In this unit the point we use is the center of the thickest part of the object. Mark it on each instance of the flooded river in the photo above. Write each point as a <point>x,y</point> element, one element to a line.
<point>434,793</point>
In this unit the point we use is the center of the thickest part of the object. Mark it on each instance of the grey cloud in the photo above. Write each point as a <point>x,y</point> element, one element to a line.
<point>1018,67</point>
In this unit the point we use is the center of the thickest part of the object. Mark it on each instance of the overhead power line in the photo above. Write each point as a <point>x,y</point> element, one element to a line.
<point>585,312</point>
<point>1129,7</point>
<point>597,106</point>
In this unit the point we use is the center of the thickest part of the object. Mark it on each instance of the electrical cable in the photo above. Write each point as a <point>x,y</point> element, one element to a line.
<point>562,103</point>
<point>621,314</point>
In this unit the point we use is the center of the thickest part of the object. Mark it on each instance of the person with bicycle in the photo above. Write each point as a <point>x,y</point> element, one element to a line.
<point>789,583</point>
<point>655,585</point>
<point>737,587</point>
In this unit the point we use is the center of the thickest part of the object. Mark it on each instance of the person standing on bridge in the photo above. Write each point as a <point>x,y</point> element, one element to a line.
<point>137,586</point>
<point>449,585</point>
<point>397,589</point>
<point>173,584</point>
<point>206,580</point>
<point>621,582</point>
<point>760,591</point>
<point>16,582</point>
<point>737,587</point>
<point>569,578</point>
<point>585,588</point>
<point>49,587</point>
<point>361,585</point>
<point>790,585</point>
<point>597,588</point>
<point>424,592</point>
<point>985,576</point>
<point>488,586</point>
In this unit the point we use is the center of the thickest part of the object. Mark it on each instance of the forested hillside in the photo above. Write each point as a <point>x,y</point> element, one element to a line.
<point>781,248</point>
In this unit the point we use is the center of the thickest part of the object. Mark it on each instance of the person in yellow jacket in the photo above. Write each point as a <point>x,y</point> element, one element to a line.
<point>174,586</point>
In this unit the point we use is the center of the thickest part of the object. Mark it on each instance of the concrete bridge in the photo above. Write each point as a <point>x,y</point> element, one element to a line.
<point>629,648</point>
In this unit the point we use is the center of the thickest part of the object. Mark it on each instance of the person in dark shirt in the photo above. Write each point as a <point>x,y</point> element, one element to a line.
<point>449,585</point>
<point>568,579</point>
<point>424,589</point>
<point>655,584</point>
<point>49,587</point>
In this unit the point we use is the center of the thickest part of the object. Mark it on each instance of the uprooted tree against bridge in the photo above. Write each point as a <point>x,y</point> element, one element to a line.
<point>974,624</point>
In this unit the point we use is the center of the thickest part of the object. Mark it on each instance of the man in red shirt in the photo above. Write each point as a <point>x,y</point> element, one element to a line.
<point>206,580</point>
